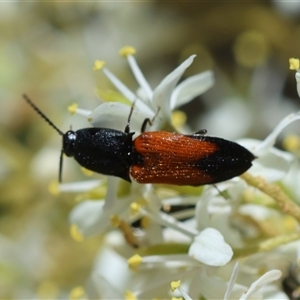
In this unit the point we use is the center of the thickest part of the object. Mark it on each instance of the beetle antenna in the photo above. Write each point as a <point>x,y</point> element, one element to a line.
<point>60,166</point>
<point>127,128</point>
<point>41,114</point>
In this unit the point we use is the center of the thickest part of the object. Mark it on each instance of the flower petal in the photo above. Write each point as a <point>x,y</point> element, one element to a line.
<point>184,294</point>
<point>115,115</point>
<point>191,87</point>
<point>92,219</point>
<point>271,138</point>
<point>232,281</point>
<point>124,90</point>
<point>140,77</point>
<point>207,285</point>
<point>297,76</point>
<point>263,280</point>
<point>89,217</point>
<point>79,186</point>
<point>111,195</point>
<point>210,248</point>
<point>99,287</point>
<point>273,165</point>
<point>162,93</point>
<point>292,179</point>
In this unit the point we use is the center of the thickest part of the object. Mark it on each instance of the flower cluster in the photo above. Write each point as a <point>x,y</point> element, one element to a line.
<point>217,247</point>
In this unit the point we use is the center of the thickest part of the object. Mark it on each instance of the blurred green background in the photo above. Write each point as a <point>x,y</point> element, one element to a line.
<point>47,50</point>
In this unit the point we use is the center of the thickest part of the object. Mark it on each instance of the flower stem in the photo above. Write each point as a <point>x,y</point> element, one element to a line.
<point>274,191</point>
<point>266,245</point>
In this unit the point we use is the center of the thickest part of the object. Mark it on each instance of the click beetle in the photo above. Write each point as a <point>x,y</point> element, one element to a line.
<point>153,157</point>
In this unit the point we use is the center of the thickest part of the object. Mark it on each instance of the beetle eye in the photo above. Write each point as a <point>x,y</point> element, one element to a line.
<point>69,140</point>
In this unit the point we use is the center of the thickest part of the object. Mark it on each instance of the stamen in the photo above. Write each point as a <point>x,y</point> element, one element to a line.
<point>175,285</point>
<point>73,108</point>
<point>77,293</point>
<point>294,63</point>
<point>127,50</point>
<point>115,220</point>
<point>53,188</point>
<point>98,65</point>
<point>135,208</point>
<point>134,262</point>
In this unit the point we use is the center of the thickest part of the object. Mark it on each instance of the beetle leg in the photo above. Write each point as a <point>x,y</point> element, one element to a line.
<point>148,121</point>
<point>200,132</point>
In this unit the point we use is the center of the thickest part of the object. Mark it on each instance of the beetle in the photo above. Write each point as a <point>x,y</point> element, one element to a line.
<point>153,156</point>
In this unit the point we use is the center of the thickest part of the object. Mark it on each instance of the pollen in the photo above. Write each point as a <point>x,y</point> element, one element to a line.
<point>77,293</point>
<point>291,143</point>
<point>135,208</point>
<point>178,118</point>
<point>134,262</point>
<point>290,223</point>
<point>175,285</point>
<point>115,220</point>
<point>127,50</point>
<point>129,295</point>
<point>73,108</point>
<point>294,63</point>
<point>75,233</point>
<point>53,188</point>
<point>98,65</point>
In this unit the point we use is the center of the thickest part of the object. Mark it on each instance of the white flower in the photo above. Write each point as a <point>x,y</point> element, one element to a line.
<point>212,288</point>
<point>91,218</point>
<point>166,96</point>
<point>195,245</point>
<point>265,279</point>
<point>210,248</point>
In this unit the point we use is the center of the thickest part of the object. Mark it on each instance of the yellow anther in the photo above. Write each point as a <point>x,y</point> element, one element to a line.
<point>294,63</point>
<point>73,108</point>
<point>115,220</point>
<point>53,188</point>
<point>178,118</point>
<point>129,295</point>
<point>291,143</point>
<point>135,208</point>
<point>77,293</point>
<point>75,233</point>
<point>134,262</point>
<point>290,223</point>
<point>127,50</point>
<point>98,65</point>
<point>175,285</point>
